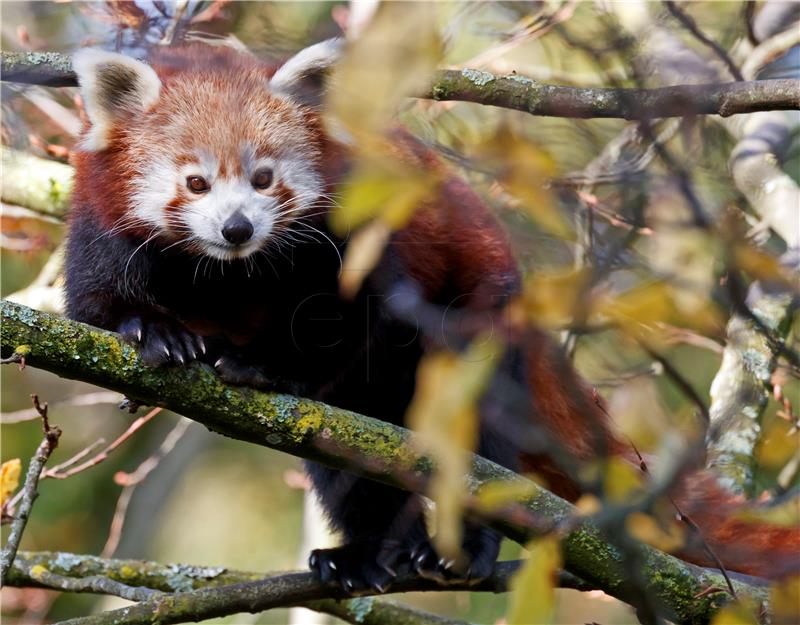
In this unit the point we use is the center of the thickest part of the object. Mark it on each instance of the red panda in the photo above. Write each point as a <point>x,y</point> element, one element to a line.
<point>198,231</point>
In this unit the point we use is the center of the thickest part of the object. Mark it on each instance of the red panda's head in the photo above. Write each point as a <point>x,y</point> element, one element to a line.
<point>205,148</point>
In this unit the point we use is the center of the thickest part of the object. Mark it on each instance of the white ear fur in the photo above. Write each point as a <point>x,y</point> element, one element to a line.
<point>113,86</point>
<point>302,77</point>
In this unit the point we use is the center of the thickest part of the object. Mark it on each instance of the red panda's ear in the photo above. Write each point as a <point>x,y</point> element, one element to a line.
<point>113,87</point>
<point>303,76</point>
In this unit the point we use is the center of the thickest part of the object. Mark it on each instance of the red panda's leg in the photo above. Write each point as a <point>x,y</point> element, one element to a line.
<point>381,525</point>
<point>107,281</point>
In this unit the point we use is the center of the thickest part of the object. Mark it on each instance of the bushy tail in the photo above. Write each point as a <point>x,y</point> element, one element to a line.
<point>569,410</point>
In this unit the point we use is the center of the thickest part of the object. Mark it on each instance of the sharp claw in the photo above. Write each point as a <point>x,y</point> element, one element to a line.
<point>389,570</point>
<point>379,588</point>
<point>166,351</point>
<point>179,358</point>
<point>313,561</point>
<point>139,334</point>
<point>332,565</point>
<point>441,562</point>
<point>447,565</point>
<point>348,584</point>
<point>420,559</point>
<point>218,363</point>
<point>201,344</point>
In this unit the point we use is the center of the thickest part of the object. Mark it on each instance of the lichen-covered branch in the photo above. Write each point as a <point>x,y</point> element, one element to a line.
<point>141,580</point>
<point>523,94</point>
<point>344,439</point>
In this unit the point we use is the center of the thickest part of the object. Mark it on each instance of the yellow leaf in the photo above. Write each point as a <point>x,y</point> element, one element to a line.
<point>497,494</point>
<point>779,442</point>
<point>552,299</point>
<point>588,505</point>
<point>533,596</point>
<point>9,478</point>
<point>645,528</point>
<point>524,169</point>
<point>785,601</point>
<point>388,189</point>
<point>443,412</point>
<point>363,253</point>
<point>761,265</point>
<point>621,481</point>
<point>785,514</point>
<point>393,58</point>
<point>734,614</point>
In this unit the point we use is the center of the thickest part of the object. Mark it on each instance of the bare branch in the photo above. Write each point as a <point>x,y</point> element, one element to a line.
<point>523,94</point>
<point>29,490</point>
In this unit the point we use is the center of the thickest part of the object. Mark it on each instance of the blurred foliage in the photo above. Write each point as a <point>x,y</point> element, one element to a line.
<point>641,274</point>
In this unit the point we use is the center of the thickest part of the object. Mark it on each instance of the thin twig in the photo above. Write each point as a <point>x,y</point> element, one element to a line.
<point>85,399</point>
<point>131,480</point>
<point>97,459</point>
<point>692,27</point>
<point>680,381</point>
<point>29,490</point>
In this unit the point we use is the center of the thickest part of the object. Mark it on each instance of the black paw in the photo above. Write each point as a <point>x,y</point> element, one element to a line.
<point>161,340</point>
<point>478,556</point>
<point>234,371</point>
<point>359,566</point>
<point>238,372</point>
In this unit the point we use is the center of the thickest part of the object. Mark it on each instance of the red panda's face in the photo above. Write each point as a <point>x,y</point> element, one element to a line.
<point>218,163</point>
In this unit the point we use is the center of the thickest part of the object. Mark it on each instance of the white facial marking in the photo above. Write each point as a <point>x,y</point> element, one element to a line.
<point>154,188</point>
<point>204,214</point>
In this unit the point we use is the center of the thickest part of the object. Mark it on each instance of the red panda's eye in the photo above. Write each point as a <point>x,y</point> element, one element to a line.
<point>262,179</point>
<point>197,184</point>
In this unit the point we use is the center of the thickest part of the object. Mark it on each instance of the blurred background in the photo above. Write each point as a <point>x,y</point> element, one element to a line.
<point>211,501</point>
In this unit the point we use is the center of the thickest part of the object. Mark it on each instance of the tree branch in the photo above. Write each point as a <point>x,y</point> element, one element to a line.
<point>517,92</point>
<point>177,589</point>
<point>343,439</point>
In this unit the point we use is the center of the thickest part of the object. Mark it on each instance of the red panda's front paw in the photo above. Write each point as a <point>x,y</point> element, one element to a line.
<point>359,566</point>
<point>480,549</point>
<point>162,341</point>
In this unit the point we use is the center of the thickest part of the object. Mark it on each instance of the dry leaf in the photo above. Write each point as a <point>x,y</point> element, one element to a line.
<point>9,479</point>
<point>533,596</point>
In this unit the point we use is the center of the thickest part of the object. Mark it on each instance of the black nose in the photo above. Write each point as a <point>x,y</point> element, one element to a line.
<point>237,229</point>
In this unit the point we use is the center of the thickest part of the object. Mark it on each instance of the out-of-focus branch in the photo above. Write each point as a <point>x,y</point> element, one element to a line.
<point>340,438</point>
<point>51,69</point>
<point>689,23</point>
<point>739,391</point>
<point>524,94</point>
<point>29,490</point>
<point>36,183</point>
